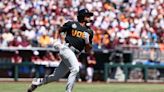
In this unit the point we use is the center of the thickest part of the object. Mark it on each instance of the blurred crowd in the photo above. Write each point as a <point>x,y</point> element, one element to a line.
<point>35,23</point>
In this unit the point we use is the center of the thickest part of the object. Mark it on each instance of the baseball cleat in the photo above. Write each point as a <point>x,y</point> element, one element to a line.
<point>35,83</point>
<point>32,88</point>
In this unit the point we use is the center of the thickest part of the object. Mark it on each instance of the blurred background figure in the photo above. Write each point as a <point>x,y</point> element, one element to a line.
<point>91,61</point>
<point>116,57</point>
<point>16,58</point>
<point>35,58</point>
<point>154,55</point>
<point>44,40</point>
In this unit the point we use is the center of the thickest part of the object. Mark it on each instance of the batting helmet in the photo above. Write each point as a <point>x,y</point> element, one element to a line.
<point>82,13</point>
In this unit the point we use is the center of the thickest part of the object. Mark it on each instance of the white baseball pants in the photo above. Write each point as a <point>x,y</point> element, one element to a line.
<point>69,63</point>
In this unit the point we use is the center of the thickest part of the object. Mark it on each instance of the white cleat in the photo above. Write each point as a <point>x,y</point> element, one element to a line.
<point>37,81</point>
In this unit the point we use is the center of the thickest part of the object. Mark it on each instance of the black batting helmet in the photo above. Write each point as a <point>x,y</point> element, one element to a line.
<point>82,13</point>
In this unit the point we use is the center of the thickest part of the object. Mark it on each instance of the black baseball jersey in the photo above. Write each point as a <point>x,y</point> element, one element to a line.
<point>75,34</point>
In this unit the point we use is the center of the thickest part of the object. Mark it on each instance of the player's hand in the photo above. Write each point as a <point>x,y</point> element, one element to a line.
<point>86,37</point>
<point>57,45</point>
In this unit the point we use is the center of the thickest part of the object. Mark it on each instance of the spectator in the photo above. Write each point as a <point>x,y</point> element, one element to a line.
<point>7,36</point>
<point>16,58</point>
<point>106,42</point>
<point>24,42</point>
<point>154,56</point>
<point>44,40</point>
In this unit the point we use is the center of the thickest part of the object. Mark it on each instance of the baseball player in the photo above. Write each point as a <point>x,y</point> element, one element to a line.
<point>78,38</point>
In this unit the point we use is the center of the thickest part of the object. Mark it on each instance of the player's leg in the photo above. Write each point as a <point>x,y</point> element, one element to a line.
<point>59,72</point>
<point>73,66</point>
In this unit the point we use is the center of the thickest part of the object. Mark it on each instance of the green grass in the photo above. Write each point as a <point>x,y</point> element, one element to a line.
<point>84,87</point>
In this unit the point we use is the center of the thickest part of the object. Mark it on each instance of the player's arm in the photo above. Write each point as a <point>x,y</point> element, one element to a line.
<point>63,30</point>
<point>88,48</point>
<point>88,42</point>
<point>65,27</point>
<point>60,34</point>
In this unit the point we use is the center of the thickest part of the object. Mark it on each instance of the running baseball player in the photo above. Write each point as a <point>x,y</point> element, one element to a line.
<point>78,38</point>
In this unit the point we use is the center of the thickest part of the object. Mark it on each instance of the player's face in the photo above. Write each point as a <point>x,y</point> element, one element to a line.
<point>87,19</point>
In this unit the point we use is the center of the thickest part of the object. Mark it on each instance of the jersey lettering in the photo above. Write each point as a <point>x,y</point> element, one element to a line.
<point>77,33</point>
